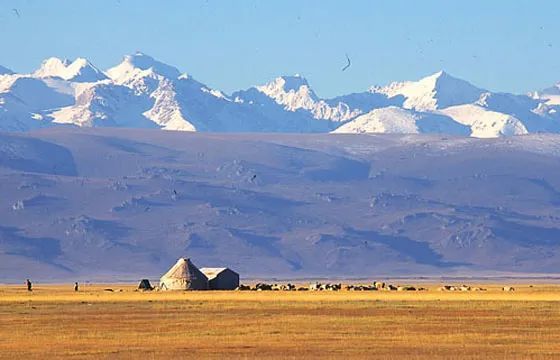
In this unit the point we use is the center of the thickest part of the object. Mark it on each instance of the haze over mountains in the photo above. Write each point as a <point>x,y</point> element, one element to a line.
<point>142,92</point>
<point>109,204</point>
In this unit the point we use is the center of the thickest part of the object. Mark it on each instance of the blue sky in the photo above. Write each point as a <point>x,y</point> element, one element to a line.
<point>500,45</point>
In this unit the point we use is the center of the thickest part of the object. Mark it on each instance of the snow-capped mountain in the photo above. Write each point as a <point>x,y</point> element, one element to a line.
<point>134,65</point>
<point>80,70</point>
<point>104,105</point>
<point>433,92</point>
<point>143,92</point>
<point>486,123</point>
<point>24,102</point>
<point>293,93</point>
<point>396,120</point>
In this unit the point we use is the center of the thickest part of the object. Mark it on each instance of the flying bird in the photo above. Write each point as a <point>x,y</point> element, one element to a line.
<point>16,12</point>
<point>348,64</point>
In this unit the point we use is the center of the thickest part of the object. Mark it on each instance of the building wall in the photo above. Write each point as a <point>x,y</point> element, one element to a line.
<point>226,280</point>
<point>184,284</point>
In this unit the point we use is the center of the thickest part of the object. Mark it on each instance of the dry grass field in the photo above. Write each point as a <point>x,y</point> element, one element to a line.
<point>53,322</point>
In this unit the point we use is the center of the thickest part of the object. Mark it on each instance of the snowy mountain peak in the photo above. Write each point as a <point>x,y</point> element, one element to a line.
<point>52,67</point>
<point>285,84</point>
<point>80,70</point>
<point>437,91</point>
<point>138,62</point>
<point>294,82</point>
<point>395,120</point>
<point>291,91</point>
<point>144,92</point>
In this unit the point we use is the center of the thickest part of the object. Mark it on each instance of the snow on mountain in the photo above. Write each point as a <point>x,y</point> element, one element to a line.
<point>140,65</point>
<point>271,116</point>
<point>394,120</point>
<point>167,110</point>
<point>179,102</point>
<point>80,70</point>
<point>144,92</point>
<point>550,95</point>
<point>291,91</point>
<point>25,100</point>
<point>295,94</point>
<point>52,67</point>
<point>104,105</point>
<point>436,91</point>
<point>536,116</point>
<point>365,101</point>
<point>36,95</point>
<point>485,123</point>
<point>168,90</point>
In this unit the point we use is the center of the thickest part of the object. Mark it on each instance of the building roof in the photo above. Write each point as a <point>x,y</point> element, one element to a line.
<point>183,269</point>
<point>211,273</point>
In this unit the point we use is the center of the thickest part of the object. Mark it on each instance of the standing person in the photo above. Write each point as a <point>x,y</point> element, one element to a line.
<point>29,285</point>
<point>76,286</point>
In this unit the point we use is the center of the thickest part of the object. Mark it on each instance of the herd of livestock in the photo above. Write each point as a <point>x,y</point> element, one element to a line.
<point>375,286</point>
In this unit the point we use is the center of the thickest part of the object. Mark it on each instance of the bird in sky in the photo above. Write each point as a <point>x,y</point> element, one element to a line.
<point>16,12</point>
<point>348,64</point>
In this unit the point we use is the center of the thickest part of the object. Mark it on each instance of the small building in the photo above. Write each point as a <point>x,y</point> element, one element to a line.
<point>221,278</point>
<point>145,285</point>
<point>184,275</point>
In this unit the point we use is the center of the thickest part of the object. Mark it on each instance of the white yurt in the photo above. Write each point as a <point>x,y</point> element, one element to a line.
<point>184,275</point>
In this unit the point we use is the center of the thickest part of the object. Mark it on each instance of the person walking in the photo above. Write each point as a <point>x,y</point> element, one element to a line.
<point>29,285</point>
<point>76,286</point>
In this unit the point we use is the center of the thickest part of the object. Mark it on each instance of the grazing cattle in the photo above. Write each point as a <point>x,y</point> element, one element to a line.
<point>314,286</point>
<point>243,287</point>
<point>287,287</point>
<point>379,285</point>
<point>330,287</point>
<point>262,287</point>
<point>508,288</point>
<point>406,288</point>
<point>360,288</point>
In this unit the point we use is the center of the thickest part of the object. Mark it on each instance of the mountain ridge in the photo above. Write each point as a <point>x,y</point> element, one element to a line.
<point>142,92</point>
<point>107,204</point>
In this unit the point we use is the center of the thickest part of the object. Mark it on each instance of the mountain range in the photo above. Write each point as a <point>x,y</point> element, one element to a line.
<point>124,204</point>
<point>142,92</point>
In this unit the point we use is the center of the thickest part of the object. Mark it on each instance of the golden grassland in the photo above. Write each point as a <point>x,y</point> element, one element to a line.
<point>53,321</point>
